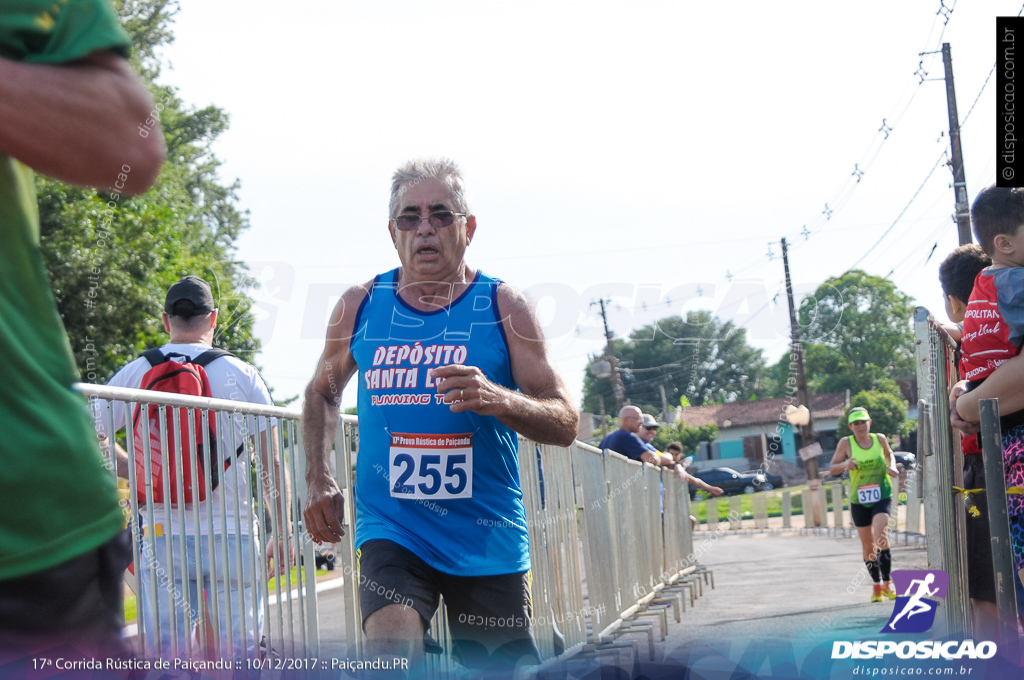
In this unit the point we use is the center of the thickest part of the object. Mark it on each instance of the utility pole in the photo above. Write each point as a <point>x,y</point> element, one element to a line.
<point>963,209</point>
<point>807,437</point>
<point>616,377</point>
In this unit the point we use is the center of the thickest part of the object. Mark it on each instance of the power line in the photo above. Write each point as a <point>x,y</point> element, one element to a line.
<point>902,212</point>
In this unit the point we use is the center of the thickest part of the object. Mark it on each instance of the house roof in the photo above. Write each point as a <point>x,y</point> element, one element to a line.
<point>760,412</point>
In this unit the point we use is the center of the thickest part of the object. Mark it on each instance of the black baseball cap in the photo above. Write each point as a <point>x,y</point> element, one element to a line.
<point>193,290</point>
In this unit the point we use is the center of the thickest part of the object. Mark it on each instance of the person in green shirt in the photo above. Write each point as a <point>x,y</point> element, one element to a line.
<point>871,464</point>
<point>69,108</point>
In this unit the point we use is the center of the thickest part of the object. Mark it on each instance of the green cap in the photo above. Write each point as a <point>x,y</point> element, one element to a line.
<point>856,414</point>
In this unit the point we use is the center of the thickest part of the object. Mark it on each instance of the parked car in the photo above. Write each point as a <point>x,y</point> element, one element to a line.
<point>772,480</point>
<point>733,483</point>
<point>904,460</point>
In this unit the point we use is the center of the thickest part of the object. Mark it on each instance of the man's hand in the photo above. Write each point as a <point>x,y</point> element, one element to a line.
<point>277,565</point>
<point>965,426</point>
<point>466,388</point>
<point>716,490</point>
<point>324,511</point>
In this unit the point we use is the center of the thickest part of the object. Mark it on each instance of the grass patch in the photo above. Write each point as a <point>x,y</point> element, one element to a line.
<point>272,583</point>
<point>699,507</point>
<point>131,606</point>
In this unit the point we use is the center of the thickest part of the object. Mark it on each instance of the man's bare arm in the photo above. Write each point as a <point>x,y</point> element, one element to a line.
<point>325,505</point>
<point>541,410</point>
<point>79,122</point>
<point>1004,385</point>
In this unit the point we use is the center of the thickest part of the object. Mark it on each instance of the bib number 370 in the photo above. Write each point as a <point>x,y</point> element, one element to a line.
<point>869,493</point>
<point>431,466</point>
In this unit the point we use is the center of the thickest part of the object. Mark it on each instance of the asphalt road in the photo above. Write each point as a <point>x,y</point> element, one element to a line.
<point>780,601</point>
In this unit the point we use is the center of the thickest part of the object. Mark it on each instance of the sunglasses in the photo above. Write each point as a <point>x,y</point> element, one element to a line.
<point>438,219</point>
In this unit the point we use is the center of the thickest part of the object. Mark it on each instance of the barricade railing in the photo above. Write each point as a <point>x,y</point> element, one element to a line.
<point>563,532</point>
<point>941,469</point>
<point>346,446</point>
<point>837,506</point>
<point>593,517</point>
<point>199,546</point>
<point>602,568</point>
<point>913,521</point>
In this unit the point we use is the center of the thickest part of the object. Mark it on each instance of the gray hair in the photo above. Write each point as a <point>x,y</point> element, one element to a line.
<point>442,169</point>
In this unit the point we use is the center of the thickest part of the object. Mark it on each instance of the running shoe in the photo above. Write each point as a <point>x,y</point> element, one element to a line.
<point>888,590</point>
<point>877,596</point>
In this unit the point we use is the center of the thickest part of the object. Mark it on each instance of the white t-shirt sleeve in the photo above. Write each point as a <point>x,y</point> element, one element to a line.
<point>129,376</point>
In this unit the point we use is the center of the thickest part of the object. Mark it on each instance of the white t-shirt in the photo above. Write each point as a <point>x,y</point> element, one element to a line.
<point>230,378</point>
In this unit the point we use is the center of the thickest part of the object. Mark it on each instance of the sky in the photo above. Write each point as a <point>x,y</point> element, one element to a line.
<point>649,153</point>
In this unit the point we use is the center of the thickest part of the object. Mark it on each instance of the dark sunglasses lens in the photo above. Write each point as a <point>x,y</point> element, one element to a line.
<point>442,218</point>
<point>407,222</point>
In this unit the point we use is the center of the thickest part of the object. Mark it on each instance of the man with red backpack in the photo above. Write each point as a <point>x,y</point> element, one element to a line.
<point>219,460</point>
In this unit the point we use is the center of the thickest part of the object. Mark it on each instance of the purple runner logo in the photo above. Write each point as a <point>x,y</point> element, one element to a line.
<point>914,612</point>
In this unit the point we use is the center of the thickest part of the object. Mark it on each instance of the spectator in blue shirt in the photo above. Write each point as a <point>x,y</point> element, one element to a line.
<point>626,441</point>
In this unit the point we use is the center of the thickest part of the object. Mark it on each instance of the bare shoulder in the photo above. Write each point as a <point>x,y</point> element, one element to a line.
<point>531,368</point>
<point>518,315</point>
<point>336,364</point>
<point>343,317</point>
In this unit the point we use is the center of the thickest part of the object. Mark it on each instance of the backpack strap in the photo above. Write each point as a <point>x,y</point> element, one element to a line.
<point>204,360</point>
<point>211,355</point>
<point>154,356</point>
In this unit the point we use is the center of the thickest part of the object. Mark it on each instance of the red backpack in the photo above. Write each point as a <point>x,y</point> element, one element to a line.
<point>185,376</point>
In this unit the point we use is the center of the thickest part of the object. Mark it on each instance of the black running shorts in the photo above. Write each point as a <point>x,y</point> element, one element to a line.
<point>489,616</point>
<point>864,514</point>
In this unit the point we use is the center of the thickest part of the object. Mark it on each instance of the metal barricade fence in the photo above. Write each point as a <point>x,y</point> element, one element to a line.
<point>542,552</point>
<point>942,467</point>
<point>594,518</point>
<point>601,567</point>
<point>562,529</point>
<point>624,478</point>
<point>652,523</point>
<point>678,536</point>
<point>346,447</point>
<point>198,547</point>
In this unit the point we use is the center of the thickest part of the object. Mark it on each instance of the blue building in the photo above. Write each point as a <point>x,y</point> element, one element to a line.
<point>751,433</point>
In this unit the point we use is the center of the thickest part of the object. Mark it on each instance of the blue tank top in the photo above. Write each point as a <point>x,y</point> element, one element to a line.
<point>443,485</point>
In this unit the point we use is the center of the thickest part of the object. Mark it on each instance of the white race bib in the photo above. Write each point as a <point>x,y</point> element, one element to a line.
<point>431,466</point>
<point>869,493</point>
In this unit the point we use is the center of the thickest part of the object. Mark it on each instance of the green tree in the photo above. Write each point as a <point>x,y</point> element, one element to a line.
<point>887,409</point>
<point>826,372</point>
<point>700,357</point>
<point>856,328</point>
<point>112,257</point>
<point>689,437</point>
